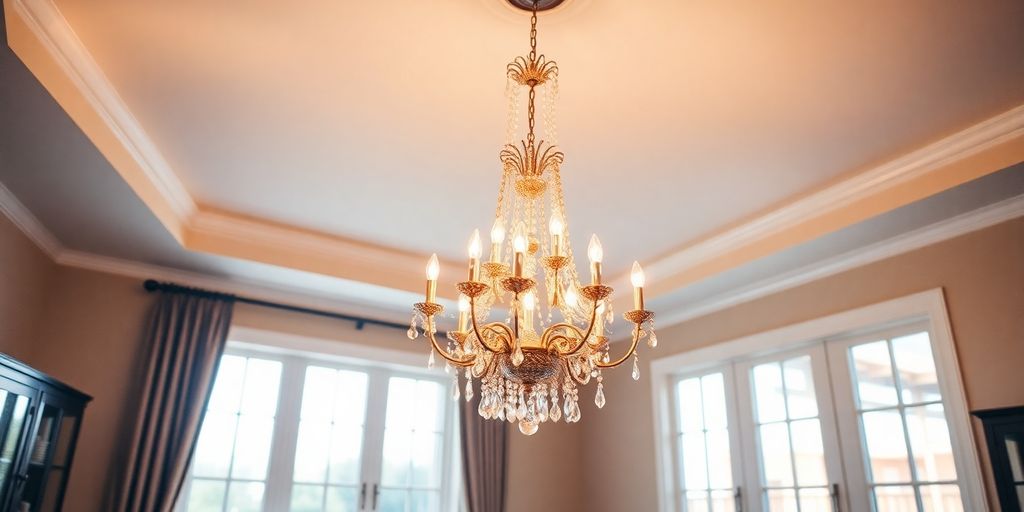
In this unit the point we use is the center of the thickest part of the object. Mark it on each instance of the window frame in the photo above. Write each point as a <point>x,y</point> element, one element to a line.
<point>928,307</point>
<point>296,353</point>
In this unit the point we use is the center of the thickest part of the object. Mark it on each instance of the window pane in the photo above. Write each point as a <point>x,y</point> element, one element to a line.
<point>723,501</point>
<point>428,407</point>
<point>941,498</point>
<point>426,461</point>
<point>206,496</point>
<point>397,452</point>
<point>307,498</point>
<point>719,460</point>
<point>895,498</point>
<point>887,449</point>
<point>213,450</point>
<point>393,500</point>
<point>691,418</point>
<point>809,453</point>
<point>929,440</point>
<point>917,368</point>
<point>252,447</point>
<point>771,405</point>
<point>350,406</point>
<point>425,501</point>
<point>815,500</point>
<point>694,463</point>
<point>346,448</point>
<point>342,499</point>
<point>318,393</point>
<point>800,396</point>
<point>873,373</point>
<point>262,380</point>
<point>782,500</point>
<point>713,391</point>
<point>696,501</point>
<point>775,457</point>
<point>401,404</point>
<point>227,388</point>
<point>311,451</point>
<point>245,497</point>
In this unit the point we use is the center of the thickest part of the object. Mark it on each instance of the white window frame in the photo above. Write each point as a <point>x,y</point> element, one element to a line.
<point>295,352</point>
<point>928,306</point>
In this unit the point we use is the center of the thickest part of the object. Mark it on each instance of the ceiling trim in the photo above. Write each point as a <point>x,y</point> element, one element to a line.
<point>42,38</point>
<point>25,221</point>
<point>974,220</point>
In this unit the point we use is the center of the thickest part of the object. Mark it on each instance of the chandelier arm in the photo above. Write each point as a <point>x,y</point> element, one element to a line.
<point>508,338</point>
<point>579,380</point>
<point>583,337</point>
<point>637,333</point>
<point>462,363</point>
<point>487,368</point>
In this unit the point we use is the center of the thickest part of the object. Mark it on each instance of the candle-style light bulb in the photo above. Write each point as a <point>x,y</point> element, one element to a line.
<point>638,279</point>
<point>599,319</point>
<point>519,249</point>
<point>433,269</point>
<point>570,297</point>
<point>497,238</point>
<point>596,253</point>
<point>474,256</point>
<point>556,227</point>
<point>529,305</point>
<point>519,243</point>
<point>463,313</point>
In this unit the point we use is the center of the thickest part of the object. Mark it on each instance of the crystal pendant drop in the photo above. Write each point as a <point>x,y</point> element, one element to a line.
<point>430,361</point>
<point>555,412</point>
<point>517,355</point>
<point>455,388</point>
<point>599,397</point>
<point>469,389</point>
<point>412,333</point>
<point>652,341</point>
<point>447,367</point>
<point>527,427</point>
<point>636,368</point>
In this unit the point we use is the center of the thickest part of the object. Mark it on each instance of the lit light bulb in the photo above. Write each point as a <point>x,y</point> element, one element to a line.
<point>433,268</point>
<point>463,304</point>
<point>637,275</point>
<point>474,245</point>
<point>594,250</point>
<point>529,301</point>
<point>571,298</point>
<point>555,225</point>
<point>497,232</point>
<point>519,243</point>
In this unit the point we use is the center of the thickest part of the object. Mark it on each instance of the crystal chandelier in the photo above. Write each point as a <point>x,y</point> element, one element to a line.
<point>530,367</point>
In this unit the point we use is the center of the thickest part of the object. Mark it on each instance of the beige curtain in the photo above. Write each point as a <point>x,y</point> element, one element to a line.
<point>484,459</point>
<point>186,338</point>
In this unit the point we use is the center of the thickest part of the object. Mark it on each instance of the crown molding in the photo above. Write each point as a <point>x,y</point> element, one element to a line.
<point>23,219</point>
<point>927,162</point>
<point>981,218</point>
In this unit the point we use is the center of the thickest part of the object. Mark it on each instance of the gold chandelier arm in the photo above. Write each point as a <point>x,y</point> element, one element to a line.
<point>568,370</point>
<point>508,337</point>
<point>583,337</point>
<point>637,333</point>
<point>462,363</point>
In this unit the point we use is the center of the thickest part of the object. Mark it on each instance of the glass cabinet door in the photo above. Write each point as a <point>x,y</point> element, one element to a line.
<point>15,417</point>
<point>49,456</point>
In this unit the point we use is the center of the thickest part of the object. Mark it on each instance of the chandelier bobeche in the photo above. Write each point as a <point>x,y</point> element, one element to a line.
<point>529,362</point>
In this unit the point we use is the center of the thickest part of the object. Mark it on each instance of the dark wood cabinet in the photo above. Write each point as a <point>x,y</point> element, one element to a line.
<point>1004,434</point>
<point>40,418</point>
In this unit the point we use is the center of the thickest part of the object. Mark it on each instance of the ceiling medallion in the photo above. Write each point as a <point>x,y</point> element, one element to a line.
<point>540,5</point>
<point>530,361</point>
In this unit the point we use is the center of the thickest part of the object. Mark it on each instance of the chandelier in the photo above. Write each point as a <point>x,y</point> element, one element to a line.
<point>530,366</point>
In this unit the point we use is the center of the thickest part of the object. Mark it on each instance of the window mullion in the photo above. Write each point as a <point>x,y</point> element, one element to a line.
<point>286,433</point>
<point>373,436</point>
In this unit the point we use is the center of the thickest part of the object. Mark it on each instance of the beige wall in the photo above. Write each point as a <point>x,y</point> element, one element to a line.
<point>25,280</point>
<point>983,277</point>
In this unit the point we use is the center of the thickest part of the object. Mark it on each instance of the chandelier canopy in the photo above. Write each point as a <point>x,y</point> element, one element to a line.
<point>530,360</point>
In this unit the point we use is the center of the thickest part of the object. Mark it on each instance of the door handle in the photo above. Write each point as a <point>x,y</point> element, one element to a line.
<point>362,497</point>
<point>738,496</point>
<point>834,494</point>
<point>376,493</point>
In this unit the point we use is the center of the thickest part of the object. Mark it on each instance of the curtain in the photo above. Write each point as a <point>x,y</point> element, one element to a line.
<point>186,337</point>
<point>484,459</point>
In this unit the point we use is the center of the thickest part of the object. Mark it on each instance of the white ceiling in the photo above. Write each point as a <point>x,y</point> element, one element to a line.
<point>358,119</point>
<point>351,117</point>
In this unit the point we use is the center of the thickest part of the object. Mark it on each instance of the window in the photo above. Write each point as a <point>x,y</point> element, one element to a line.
<point>863,422</point>
<point>297,433</point>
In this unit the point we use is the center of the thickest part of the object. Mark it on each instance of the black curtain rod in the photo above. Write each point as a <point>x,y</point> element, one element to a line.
<point>152,285</point>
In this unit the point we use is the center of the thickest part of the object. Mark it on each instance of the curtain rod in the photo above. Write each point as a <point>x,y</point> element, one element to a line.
<point>152,285</point>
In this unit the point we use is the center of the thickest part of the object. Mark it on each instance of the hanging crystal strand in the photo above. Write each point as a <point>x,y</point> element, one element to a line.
<point>510,402</point>
<point>652,339</point>
<point>447,367</point>
<point>430,360</point>
<point>413,332</point>
<point>554,412</point>
<point>636,367</point>
<point>469,385</point>
<point>599,397</point>
<point>455,387</point>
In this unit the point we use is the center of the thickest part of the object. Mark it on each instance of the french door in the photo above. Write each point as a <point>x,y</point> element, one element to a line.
<point>853,424</point>
<point>289,433</point>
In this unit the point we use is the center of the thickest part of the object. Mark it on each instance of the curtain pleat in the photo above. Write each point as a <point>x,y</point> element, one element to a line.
<point>484,459</point>
<point>186,338</point>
